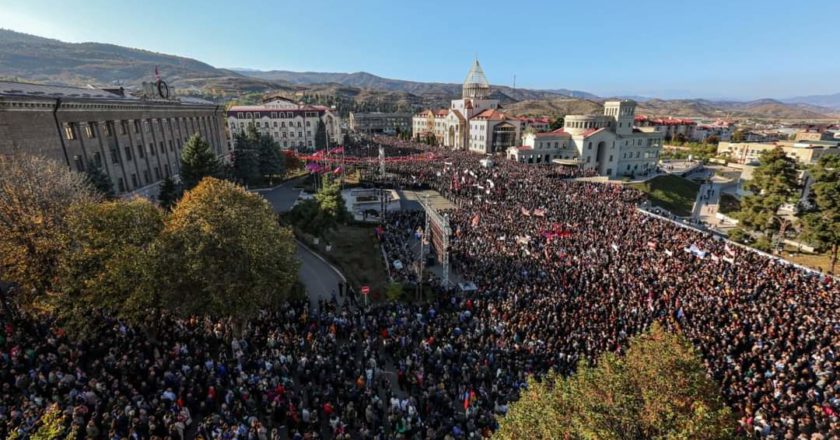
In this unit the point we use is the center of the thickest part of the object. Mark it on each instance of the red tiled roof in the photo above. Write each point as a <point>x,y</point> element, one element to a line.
<point>555,133</point>
<point>591,131</point>
<point>491,115</point>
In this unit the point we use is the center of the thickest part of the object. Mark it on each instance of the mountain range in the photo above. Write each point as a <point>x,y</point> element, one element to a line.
<point>36,59</point>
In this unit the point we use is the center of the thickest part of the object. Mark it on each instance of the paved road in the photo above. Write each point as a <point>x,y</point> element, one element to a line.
<point>317,275</point>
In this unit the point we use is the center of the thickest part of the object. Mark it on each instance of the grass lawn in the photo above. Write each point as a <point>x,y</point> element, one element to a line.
<point>820,262</point>
<point>356,252</point>
<point>670,192</point>
<point>728,204</point>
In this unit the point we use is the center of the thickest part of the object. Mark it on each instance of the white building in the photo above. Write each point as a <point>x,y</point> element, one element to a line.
<point>473,122</point>
<point>292,125</point>
<point>608,143</point>
<point>720,128</point>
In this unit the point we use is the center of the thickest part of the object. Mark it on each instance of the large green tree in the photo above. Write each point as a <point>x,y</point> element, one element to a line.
<point>99,180</point>
<point>225,253</point>
<point>109,263</point>
<point>269,158</point>
<point>198,161</point>
<point>168,194</point>
<point>659,389</point>
<point>821,225</point>
<point>774,183</point>
<point>35,196</point>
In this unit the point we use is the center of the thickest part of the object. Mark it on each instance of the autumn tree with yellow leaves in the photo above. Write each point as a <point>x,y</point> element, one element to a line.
<point>658,390</point>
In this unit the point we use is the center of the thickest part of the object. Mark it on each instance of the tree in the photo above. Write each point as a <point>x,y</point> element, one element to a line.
<point>821,227</point>
<point>320,135</point>
<point>331,203</point>
<point>168,194</point>
<point>99,180</point>
<point>35,196</point>
<point>198,161</point>
<point>774,183</point>
<point>245,165</point>
<point>713,140</point>
<point>660,389</point>
<point>739,136</point>
<point>109,262</point>
<point>291,161</point>
<point>269,159</point>
<point>225,253</point>
<point>557,123</point>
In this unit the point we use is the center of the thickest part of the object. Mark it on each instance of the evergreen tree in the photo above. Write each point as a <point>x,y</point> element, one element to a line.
<point>198,161</point>
<point>822,224</point>
<point>320,135</point>
<point>556,123</point>
<point>269,157</point>
<point>99,180</point>
<point>774,184</point>
<point>168,195</point>
<point>245,163</point>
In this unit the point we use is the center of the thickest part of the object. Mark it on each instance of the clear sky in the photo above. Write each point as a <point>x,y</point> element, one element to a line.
<point>741,49</point>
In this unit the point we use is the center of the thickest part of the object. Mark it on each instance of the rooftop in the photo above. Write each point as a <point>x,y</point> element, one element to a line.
<point>12,88</point>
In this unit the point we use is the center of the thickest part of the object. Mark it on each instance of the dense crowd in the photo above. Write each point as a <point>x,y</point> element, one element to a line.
<point>565,269</point>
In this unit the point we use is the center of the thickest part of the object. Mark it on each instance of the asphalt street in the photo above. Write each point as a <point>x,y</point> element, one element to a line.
<point>319,277</point>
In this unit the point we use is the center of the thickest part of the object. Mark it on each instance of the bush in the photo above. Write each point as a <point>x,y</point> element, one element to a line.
<point>394,292</point>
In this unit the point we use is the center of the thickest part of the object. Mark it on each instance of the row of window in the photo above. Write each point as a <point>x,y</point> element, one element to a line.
<point>243,125</point>
<point>275,115</point>
<point>71,129</point>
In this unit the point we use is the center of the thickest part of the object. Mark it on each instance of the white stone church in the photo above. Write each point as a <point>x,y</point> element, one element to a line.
<point>473,122</point>
<point>608,143</point>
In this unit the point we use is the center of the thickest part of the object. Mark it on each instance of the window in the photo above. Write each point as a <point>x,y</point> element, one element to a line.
<point>80,164</point>
<point>157,173</point>
<point>152,149</point>
<point>308,124</point>
<point>162,148</point>
<point>127,153</point>
<point>121,184</point>
<point>171,145</point>
<point>90,130</point>
<point>147,176</point>
<point>123,127</point>
<point>137,127</point>
<point>70,131</point>
<point>109,128</point>
<point>97,159</point>
<point>115,156</point>
<point>140,151</point>
<point>274,115</point>
<point>239,115</point>
<point>610,158</point>
<point>166,169</point>
<point>134,182</point>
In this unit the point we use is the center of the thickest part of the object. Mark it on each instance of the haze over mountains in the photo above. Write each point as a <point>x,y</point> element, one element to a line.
<point>31,58</point>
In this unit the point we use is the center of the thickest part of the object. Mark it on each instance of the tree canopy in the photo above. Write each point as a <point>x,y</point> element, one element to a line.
<point>198,161</point>
<point>774,183</point>
<point>257,157</point>
<point>35,196</point>
<point>109,262</point>
<point>659,389</point>
<point>99,180</point>
<point>821,226</point>
<point>225,252</point>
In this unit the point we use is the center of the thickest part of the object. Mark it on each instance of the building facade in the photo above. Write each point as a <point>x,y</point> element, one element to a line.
<point>292,125</point>
<point>671,128</point>
<point>473,122</point>
<point>608,143</point>
<point>805,152</point>
<point>380,123</point>
<point>137,142</point>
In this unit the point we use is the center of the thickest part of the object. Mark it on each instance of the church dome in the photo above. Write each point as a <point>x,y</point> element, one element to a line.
<point>476,84</point>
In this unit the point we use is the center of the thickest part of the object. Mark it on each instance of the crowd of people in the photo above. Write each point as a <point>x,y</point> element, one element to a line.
<point>565,270</point>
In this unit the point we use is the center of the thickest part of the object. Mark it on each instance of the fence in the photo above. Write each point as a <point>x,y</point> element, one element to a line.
<point>719,236</point>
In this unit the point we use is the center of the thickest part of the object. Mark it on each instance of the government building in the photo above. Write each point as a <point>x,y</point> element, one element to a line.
<point>136,141</point>
<point>610,144</point>
<point>291,124</point>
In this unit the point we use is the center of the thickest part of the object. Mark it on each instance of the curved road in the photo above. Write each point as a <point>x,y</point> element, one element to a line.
<point>319,277</point>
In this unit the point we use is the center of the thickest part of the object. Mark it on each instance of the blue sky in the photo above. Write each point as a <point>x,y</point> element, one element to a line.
<point>742,49</point>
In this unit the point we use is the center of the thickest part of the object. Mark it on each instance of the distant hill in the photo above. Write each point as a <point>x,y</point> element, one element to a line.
<point>829,101</point>
<point>36,59</point>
